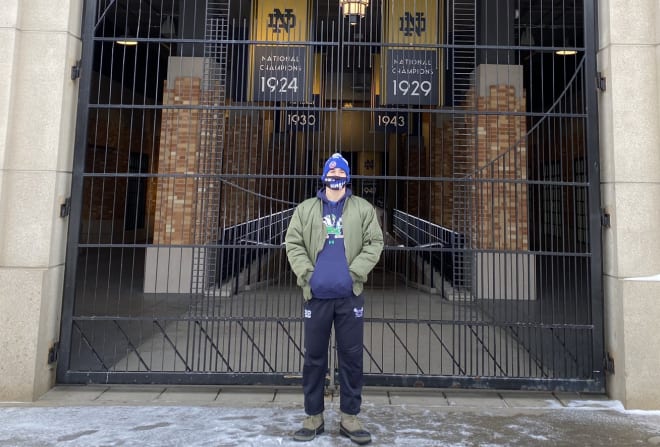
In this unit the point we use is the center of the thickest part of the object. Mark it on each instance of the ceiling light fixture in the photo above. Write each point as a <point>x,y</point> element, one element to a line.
<point>568,43</point>
<point>128,38</point>
<point>126,41</point>
<point>566,52</point>
<point>354,9</point>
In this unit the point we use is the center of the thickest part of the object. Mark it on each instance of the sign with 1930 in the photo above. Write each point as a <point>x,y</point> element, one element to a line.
<point>303,117</point>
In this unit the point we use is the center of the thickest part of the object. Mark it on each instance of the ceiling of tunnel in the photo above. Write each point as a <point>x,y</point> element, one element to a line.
<point>534,23</point>
<point>547,21</point>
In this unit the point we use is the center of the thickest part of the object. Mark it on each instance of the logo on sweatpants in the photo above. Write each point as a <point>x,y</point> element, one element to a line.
<point>358,312</point>
<point>308,313</point>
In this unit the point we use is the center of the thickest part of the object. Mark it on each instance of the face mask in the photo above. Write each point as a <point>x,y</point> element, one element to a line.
<point>335,182</point>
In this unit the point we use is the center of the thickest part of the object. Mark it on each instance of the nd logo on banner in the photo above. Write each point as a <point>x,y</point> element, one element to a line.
<point>412,71</point>
<point>281,62</point>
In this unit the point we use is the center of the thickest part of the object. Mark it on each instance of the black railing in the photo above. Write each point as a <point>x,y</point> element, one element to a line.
<point>439,246</point>
<point>257,235</point>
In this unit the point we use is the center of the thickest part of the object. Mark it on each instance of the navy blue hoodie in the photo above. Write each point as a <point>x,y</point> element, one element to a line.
<point>331,278</point>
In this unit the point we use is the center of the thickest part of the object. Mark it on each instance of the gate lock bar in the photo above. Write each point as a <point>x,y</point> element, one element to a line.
<point>605,218</point>
<point>53,353</point>
<point>65,208</point>
<point>608,363</point>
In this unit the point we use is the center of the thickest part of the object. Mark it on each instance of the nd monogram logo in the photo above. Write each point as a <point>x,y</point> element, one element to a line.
<point>279,20</point>
<point>410,24</point>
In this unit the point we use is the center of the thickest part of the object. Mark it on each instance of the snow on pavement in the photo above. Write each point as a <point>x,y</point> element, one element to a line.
<point>272,426</point>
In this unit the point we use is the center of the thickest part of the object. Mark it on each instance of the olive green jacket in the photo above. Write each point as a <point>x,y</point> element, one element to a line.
<point>306,235</point>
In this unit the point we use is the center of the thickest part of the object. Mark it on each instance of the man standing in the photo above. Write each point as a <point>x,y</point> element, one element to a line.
<point>333,241</point>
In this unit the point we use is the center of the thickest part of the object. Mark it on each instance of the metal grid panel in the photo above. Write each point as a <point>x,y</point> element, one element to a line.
<point>184,184</point>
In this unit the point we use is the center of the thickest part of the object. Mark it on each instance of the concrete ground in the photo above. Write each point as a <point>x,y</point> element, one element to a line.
<point>213,416</point>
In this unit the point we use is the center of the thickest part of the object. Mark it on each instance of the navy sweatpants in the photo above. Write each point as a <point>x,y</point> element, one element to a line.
<point>347,314</point>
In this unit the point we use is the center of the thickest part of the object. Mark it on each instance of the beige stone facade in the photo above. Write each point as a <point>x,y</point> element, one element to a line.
<point>629,59</point>
<point>40,41</point>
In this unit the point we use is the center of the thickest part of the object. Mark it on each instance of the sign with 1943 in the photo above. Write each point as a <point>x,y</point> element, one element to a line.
<point>391,120</point>
<point>280,73</point>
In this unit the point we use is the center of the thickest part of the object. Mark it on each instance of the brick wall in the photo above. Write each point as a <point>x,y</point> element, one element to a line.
<point>441,159</point>
<point>100,194</point>
<point>498,206</point>
<point>561,143</point>
<point>416,193</point>
<point>241,157</point>
<point>281,159</point>
<point>112,135</point>
<point>191,209</point>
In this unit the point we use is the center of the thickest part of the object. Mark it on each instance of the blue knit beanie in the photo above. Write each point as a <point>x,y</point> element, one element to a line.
<point>336,161</point>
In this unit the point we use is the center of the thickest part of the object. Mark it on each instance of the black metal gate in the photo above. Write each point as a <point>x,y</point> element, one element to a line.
<point>470,125</point>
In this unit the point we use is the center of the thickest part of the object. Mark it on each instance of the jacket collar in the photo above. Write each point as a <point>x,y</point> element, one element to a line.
<point>321,195</point>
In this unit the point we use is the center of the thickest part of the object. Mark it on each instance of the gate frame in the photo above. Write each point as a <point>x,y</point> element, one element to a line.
<point>75,216</point>
<point>595,385</point>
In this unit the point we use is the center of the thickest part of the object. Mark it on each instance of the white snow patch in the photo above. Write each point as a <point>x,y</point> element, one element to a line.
<point>643,412</point>
<point>644,278</point>
<point>551,404</point>
<point>614,405</point>
<point>596,405</point>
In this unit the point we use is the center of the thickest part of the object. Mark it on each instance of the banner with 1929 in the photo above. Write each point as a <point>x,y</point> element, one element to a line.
<point>412,77</point>
<point>412,69</point>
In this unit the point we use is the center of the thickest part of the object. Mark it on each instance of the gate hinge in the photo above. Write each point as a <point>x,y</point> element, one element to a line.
<point>605,219</point>
<point>53,352</point>
<point>75,71</point>
<point>608,363</point>
<point>65,208</point>
<point>601,82</point>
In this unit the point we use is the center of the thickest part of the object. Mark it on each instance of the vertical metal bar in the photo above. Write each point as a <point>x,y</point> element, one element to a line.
<point>82,116</point>
<point>593,169</point>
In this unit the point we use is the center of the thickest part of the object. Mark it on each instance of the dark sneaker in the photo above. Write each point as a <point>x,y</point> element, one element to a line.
<point>351,427</point>
<point>312,426</point>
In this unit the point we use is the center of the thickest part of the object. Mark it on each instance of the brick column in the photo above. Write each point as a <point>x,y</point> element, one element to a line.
<point>499,204</point>
<point>178,154</point>
<point>169,269</point>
